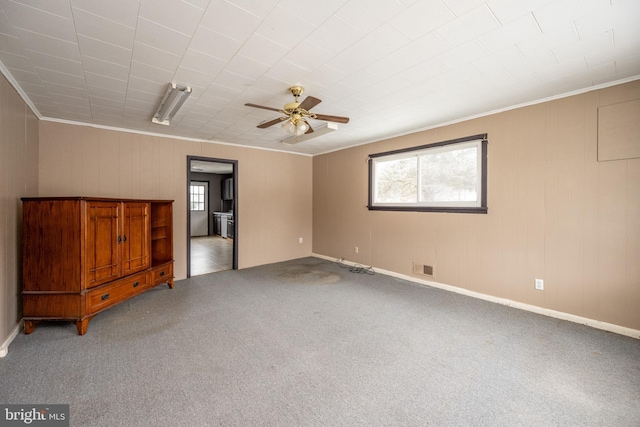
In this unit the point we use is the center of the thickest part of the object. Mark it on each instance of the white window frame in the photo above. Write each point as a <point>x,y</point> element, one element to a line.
<point>479,205</point>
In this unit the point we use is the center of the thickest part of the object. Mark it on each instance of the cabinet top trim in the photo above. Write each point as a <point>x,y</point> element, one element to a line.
<point>101,199</point>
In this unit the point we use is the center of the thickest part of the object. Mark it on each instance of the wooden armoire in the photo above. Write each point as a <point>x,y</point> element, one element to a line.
<point>82,255</point>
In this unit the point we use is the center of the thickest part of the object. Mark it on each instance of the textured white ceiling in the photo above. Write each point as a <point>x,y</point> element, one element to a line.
<point>392,66</point>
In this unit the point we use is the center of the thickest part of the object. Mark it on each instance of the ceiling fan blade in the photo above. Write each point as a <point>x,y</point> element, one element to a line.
<point>263,107</point>
<point>271,122</point>
<point>309,102</point>
<point>337,119</point>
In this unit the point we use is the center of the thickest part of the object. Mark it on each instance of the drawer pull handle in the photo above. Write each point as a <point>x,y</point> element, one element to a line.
<point>162,273</point>
<point>104,297</point>
<point>135,284</point>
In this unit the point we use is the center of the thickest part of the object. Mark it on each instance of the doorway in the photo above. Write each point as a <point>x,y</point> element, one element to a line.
<point>211,215</point>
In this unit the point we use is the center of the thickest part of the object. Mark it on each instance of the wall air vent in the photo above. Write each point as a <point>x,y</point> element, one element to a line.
<point>423,269</point>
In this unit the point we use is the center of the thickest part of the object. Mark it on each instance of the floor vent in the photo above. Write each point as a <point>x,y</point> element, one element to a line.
<point>423,269</point>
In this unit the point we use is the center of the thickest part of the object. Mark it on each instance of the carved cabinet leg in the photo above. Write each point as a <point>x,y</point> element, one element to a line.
<point>170,283</point>
<point>29,326</point>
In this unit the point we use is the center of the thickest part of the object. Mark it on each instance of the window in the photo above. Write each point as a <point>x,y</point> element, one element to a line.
<point>197,197</point>
<point>449,176</point>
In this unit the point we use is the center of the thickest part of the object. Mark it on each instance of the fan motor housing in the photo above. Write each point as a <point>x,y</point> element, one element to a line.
<point>291,106</point>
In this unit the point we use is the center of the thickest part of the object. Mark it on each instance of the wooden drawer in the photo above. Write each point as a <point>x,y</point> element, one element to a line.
<point>49,305</point>
<point>162,273</point>
<point>115,292</point>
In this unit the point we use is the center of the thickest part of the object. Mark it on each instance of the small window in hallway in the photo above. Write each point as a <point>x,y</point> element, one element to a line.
<point>197,197</point>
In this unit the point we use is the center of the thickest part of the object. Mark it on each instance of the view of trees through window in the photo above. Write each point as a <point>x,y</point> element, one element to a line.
<point>445,175</point>
<point>449,175</point>
<point>397,181</point>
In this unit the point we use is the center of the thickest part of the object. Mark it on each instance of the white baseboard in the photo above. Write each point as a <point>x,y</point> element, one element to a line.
<point>610,327</point>
<point>4,348</point>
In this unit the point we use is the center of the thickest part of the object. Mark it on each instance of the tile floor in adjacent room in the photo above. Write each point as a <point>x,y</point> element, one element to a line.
<point>210,254</point>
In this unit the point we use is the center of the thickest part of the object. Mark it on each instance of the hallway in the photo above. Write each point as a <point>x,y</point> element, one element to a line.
<point>210,254</point>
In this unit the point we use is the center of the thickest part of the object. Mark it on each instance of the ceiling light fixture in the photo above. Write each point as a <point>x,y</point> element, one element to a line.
<point>295,125</point>
<point>320,130</point>
<point>171,103</point>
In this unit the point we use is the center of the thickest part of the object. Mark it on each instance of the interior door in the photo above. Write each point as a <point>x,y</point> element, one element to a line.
<point>199,208</point>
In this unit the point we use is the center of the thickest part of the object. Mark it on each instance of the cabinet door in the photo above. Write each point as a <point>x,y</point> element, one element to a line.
<point>227,190</point>
<point>103,258</point>
<point>135,237</point>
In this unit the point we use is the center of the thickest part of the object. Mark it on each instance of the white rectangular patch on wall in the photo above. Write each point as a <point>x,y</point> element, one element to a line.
<point>619,131</point>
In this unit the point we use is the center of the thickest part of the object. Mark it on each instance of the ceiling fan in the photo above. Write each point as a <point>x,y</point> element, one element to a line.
<point>296,114</point>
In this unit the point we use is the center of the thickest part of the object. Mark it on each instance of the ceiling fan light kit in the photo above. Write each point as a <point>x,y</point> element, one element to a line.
<point>296,114</point>
<point>171,103</point>
<point>296,125</point>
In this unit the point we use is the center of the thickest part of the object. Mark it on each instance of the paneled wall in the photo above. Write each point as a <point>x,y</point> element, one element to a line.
<point>555,213</point>
<point>18,178</point>
<point>274,188</point>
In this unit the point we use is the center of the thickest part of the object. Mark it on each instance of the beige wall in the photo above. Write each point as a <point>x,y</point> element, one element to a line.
<point>18,178</point>
<point>555,213</point>
<point>274,189</point>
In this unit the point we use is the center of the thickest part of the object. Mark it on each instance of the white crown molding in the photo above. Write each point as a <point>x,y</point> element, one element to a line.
<point>7,75</point>
<point>33,108</point>
<point>489,113</point>
<point>162,135</point>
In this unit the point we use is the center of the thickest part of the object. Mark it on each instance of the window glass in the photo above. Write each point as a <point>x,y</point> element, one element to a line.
<point>397,181</point>
<point>197,197</point>
<point>449,175</point>
<point>445,176</point>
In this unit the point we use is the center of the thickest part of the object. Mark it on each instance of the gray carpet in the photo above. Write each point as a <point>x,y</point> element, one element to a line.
<point>308,343</point>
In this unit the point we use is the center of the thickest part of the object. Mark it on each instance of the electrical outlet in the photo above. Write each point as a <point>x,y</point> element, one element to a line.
<point>300,240</point>
<point>355,249</point>
<point>539,284</point>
